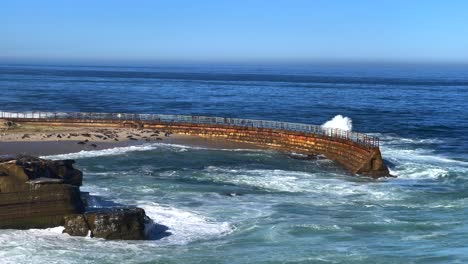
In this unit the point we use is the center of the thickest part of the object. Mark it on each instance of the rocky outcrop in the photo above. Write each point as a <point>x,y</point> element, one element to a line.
<point>26,169</point>
<point>39,193</point>
<point>112,223</point>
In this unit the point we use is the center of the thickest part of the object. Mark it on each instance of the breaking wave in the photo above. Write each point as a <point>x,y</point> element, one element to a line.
<point>340,122</point>
<point>415,158</point>
<point>104,152</point>
<point>320,184</point>
<point>137,148</point>
<point>184,226</point>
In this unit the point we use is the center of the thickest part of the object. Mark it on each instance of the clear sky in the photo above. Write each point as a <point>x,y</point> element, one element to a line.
<point>237,30</point>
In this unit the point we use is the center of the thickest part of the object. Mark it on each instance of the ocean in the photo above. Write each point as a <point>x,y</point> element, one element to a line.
<point>286,210</point>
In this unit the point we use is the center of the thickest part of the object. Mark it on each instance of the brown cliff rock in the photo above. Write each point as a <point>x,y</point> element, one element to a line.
<point>37,193</point>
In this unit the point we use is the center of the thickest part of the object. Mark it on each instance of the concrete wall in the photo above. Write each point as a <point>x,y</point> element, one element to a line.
<point>356,158</point>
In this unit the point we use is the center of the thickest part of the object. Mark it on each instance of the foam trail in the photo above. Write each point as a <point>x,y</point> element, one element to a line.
<point>145,147</point>
<point>103,152</point>
<point>339,121</point>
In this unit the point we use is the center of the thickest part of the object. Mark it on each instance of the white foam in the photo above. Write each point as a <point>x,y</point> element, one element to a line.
<point>184,226</point>
<point>419,163</point>
<point>103,152</point>
<point>50,231</point>
<point>322,227</point>
<point>340,122</point>
<point>323,186</point>
<point>144,147</point>
<point>394,140</point>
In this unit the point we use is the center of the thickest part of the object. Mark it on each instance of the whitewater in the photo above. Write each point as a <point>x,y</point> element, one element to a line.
<point>262,206</point>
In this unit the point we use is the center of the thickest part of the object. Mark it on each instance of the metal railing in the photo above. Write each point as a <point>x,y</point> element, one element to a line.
<point>362,139</point>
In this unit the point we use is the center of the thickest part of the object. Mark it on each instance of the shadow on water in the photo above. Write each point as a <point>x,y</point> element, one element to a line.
<point>156,231</point>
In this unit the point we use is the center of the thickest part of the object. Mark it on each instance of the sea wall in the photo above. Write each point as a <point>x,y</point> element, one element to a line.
<point>356,158</point>
<point>352,156</point>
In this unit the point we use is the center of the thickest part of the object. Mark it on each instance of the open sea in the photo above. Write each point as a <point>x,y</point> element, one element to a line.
<point>287,210</point>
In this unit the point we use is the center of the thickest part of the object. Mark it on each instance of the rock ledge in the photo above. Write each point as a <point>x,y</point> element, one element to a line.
<point>39,193</point>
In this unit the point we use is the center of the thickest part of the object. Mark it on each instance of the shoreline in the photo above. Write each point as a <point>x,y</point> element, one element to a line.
<point>45,141</point>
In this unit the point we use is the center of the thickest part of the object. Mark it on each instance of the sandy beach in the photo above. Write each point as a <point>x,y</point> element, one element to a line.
<point>45,140</point>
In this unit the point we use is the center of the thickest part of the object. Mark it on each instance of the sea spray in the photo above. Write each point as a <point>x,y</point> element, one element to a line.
<point>339,121</point>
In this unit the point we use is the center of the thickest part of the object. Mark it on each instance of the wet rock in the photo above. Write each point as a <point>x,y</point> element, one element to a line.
<point>39,193</point>
<point>81,143</point>
<point>113,223</point>
<point>76,225</point>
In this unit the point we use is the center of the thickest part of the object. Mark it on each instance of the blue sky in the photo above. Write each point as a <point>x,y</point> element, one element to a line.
<point>237,30</point>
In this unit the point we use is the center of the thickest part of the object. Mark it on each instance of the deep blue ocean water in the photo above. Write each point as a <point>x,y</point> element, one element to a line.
<point>290,211</point>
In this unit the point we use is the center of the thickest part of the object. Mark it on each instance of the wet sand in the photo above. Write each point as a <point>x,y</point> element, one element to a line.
<point>38,141</point>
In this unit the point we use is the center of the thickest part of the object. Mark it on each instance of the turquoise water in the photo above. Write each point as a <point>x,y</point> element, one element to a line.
<point>284,210</point>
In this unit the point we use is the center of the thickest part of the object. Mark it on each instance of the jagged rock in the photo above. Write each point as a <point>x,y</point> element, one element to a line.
<point>41,168</point>
<point>76,225</point>
<point>115,223</point>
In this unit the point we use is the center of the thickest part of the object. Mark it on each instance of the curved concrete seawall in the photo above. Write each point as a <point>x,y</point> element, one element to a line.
<point>357,153</point>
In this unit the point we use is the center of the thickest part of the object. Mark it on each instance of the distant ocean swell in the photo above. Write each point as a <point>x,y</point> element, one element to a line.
<point>281,78</point>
